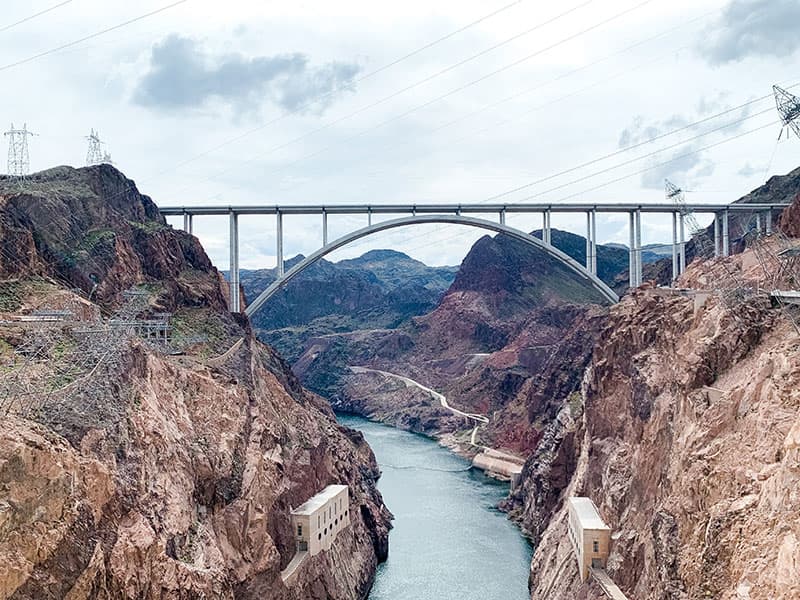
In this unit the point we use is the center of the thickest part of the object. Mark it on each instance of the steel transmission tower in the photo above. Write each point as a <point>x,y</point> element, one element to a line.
<point>704,247</point>
<point>19,162</point>
<point>789,110</point>
<point>95,156</point>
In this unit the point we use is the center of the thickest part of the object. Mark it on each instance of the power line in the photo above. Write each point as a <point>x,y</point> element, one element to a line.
<point>39,14</point>
<point>430,102</point>
<point>524,92</point>
<point>640,144</point>
<point>655,166</point>
<point>89,37</point>
<point>427,79</point>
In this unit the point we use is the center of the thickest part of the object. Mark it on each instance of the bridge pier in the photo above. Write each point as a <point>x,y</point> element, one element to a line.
<point>758,223</point>
<point>638,247</point>
<point>187,223</point>
<point>591,242</point>
<point>279,241</point>
<point>726,247</point>
<point>769,222</point>
<point>235,301</point>
<point>632,251</point>
<point>503,218</point>
<point>675,272</point>
<point>682,265</point>
<point>717,236</point>
<point>546,236</point>
<point>324,228</point>
<point>594,242</point>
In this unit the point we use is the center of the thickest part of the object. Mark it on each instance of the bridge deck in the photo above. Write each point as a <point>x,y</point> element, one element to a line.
<point>350,209</point>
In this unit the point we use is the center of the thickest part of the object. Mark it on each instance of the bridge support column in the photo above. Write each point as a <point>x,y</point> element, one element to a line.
<point>675,247</point>
<point>546,235</point>
<point>235,301</point>
<point>279,242</point>
<point>632,251</point>
<point>769,222</point>
<point>638,253</point>
<point>594,242</point>
<point>369,217</point>
<point>589,241</point>
<point>187,222</point>
<point>682,265</point>
<point>726,246</point>
<point>324,228</point>
<point>503,219</point>
<point>717,236</point>
<point>758,223</point>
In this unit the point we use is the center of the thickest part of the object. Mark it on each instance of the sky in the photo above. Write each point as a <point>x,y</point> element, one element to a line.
<point>355,101</point>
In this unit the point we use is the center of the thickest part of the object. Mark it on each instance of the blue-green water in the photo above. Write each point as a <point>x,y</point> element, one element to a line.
<point>448,541</point>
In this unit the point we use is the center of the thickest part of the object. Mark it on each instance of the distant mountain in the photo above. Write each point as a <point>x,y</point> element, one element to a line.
<point>611,259</point>
<point>381,289</point>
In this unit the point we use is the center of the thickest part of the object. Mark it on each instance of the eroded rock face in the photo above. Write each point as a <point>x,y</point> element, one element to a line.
<point>688,447</point>
<point>190,497</point>
<point>92,229</point>
<point>160,476</point>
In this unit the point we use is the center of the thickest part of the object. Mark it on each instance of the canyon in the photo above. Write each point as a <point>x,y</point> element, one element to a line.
<point>675,412</point>
<point>171,472</point>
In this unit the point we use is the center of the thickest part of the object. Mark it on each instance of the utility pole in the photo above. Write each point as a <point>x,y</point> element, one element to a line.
<point>95,155</point>
<point>789,110</point>
<point>19,162</point>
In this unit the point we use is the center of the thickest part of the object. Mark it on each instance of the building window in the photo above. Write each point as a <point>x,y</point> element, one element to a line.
<point>596,547</point>
<point>299,530</point>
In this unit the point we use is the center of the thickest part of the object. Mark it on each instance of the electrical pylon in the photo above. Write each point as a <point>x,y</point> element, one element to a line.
<point>94,156</point>
<point>19,162</point>
<point>789,110</point>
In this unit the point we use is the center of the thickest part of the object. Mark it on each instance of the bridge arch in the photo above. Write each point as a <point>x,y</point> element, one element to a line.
<point>517,234</point>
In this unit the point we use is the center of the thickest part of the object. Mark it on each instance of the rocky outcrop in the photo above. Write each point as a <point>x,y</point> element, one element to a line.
<point>790,219</point>
<point>163,476</point>
<point>687,445</point>
<point>91,229</point>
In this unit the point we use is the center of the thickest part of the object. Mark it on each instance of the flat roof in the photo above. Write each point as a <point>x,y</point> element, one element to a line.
<point>587,513</point>
<point>314,503</point>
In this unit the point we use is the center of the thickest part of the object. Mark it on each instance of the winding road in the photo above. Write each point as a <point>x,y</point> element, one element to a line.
<point>434,394</point>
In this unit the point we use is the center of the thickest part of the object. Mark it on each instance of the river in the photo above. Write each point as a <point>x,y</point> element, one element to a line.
<point>448,541</point>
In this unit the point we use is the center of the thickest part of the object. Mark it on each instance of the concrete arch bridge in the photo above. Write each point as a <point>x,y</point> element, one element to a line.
<point>458,215</point>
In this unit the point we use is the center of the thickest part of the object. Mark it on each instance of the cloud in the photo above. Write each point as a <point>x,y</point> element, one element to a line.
<point>182,75</point>
<point>681,166</point>
<point>749,170</point>
<point>747,28</point>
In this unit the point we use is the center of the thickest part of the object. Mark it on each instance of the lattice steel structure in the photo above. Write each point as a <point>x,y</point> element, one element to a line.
<point>61,358</point>
<point>19,162</point>
<point>704,245</point>
<point>94,155</point>
<point>789,110</point>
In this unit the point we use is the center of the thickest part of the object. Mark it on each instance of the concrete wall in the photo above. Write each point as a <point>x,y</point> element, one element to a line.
<point>583,539</point>
<point>319,528</point>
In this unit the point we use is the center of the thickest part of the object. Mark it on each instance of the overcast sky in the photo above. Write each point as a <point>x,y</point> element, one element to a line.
<point>477,115</point>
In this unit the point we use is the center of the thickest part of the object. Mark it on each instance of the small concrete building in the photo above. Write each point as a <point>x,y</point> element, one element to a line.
<point>590,536</point>
<point>317,521</point>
